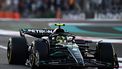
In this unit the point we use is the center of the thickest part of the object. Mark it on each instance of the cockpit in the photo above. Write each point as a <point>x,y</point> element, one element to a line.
<point>62,38</point>
<point>59,36</point>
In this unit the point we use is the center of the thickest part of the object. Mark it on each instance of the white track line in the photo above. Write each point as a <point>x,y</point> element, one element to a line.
<point>9,33</point>
<point>3,47</point>
<point>96,39</point>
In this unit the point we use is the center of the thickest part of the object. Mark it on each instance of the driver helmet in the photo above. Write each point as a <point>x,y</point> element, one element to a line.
<point>60,39</point>
<point>58,30</point>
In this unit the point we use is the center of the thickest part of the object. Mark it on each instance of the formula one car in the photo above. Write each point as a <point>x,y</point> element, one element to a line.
<point>57,48</point>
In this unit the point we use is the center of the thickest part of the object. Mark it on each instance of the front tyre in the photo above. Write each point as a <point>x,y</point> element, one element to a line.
<point>106,54</point>
<point>40,49</point>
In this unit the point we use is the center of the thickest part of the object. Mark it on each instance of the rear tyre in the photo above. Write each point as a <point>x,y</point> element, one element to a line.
<point>40,53</point>
<point>17,50</point>
<point>106,54</point>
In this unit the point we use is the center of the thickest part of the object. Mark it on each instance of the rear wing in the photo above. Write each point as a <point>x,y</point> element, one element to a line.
<point>36,32</point>
<point>39,32</point>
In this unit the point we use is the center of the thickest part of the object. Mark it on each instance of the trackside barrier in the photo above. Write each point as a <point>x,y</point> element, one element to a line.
<point>108,16</point>
<point>58,19</point>
<point>10,15</point>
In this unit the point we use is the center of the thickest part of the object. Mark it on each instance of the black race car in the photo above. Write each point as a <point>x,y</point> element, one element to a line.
<point>57,48</point>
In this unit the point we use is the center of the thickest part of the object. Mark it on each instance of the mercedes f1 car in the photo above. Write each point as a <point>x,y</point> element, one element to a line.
<point>57,48</point>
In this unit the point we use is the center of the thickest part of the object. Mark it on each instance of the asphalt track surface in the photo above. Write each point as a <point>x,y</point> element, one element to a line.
<point>4,39</point>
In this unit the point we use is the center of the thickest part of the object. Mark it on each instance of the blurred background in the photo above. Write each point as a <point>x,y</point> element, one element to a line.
<point>73,9</point>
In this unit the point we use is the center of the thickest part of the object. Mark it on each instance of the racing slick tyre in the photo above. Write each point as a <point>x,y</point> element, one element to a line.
<point>17,50</point>
<point>106,55</point>
<point>39,53</point>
